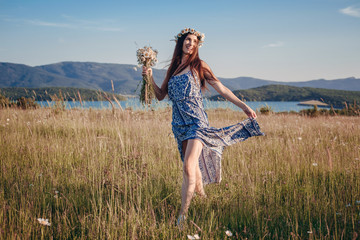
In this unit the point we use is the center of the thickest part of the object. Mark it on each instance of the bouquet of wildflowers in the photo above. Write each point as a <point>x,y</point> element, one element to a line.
<point>147,57</point>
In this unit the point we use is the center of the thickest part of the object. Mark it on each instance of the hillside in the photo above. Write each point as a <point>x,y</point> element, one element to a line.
<point>290,93</point>
<point>19,75</point>
<point>88,75</point>
<point>97,76</point>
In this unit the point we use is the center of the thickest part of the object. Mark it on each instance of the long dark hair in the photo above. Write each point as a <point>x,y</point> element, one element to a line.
<point>193,61</point>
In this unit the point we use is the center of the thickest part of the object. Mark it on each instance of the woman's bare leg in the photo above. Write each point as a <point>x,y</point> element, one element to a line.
<point>191,163</point>
<point>199,187</point>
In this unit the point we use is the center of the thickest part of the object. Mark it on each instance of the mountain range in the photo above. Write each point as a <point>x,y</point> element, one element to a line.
<point>126,78</point>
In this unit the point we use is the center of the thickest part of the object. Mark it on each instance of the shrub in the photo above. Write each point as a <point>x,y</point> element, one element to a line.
<point>266,110</point>
<point>351,110</point>
<point>4,102</point>
<point>26,103</point>
<point>314,112</point>
<point>348,110</point>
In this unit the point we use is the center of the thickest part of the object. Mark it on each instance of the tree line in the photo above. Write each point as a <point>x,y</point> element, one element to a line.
<point>336,98</point>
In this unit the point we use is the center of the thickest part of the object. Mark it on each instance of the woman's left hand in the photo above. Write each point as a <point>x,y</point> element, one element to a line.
<point>250,112</point>
<point>147,71</point>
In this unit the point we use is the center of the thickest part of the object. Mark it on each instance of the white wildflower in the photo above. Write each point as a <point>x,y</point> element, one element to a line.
<point>44,221</point>
<point>228,233</point>
<point>315,164</point>
<point>196,236</point>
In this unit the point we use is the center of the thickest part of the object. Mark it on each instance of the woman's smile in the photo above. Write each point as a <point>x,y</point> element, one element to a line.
<point>190,44</point>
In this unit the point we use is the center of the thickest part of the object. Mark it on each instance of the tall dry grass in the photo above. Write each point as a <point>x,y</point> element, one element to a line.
<point>103,174</point>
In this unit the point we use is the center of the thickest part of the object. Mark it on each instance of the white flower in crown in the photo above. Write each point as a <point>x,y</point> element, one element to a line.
<point>200,35</point>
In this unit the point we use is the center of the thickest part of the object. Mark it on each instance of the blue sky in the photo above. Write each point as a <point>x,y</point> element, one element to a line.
<point>293,40</point>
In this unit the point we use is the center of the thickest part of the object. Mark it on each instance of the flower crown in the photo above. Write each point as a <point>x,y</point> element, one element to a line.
<point>200,35</point>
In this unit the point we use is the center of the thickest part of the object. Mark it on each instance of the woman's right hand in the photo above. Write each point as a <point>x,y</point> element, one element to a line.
<point>146,71</point>
<point>249,112</point>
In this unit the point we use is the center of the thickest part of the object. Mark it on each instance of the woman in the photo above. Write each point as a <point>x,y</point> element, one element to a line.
<point>200,146</point>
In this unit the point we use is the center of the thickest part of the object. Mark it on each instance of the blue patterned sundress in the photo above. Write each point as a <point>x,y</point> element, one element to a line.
<point>190,121</point>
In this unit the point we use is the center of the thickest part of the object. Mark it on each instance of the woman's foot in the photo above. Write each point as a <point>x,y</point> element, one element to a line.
<point>181,221</point>
<point>201,192</point>
<point>201,195</point>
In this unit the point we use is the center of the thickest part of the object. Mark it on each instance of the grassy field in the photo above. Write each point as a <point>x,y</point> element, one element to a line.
<point>99,174</point>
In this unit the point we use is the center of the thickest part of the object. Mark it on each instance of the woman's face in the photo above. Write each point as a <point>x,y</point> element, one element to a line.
<point>190,44</point>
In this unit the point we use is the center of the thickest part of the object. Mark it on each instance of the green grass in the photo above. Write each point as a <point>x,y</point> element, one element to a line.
<point>99,174</point>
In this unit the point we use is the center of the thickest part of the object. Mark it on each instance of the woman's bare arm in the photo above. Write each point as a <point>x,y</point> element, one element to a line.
<point>225,92</point>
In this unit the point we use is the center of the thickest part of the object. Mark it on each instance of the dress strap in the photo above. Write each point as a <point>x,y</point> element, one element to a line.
<point>196,78</point>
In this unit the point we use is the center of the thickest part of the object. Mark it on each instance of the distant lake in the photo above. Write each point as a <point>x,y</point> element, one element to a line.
<point>135,104</point>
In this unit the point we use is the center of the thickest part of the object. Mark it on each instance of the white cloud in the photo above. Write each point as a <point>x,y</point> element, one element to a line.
<point>48,24</point>
<point>351,11</point>
<point>272,45</point>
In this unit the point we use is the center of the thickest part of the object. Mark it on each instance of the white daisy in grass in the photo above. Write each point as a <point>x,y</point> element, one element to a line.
<point>228,233</point>
<point>193,237</point>
<point>44,221</point>
<point>56,194</point>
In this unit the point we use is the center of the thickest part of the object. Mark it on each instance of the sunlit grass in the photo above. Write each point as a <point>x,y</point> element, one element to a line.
<point>99,174</point>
